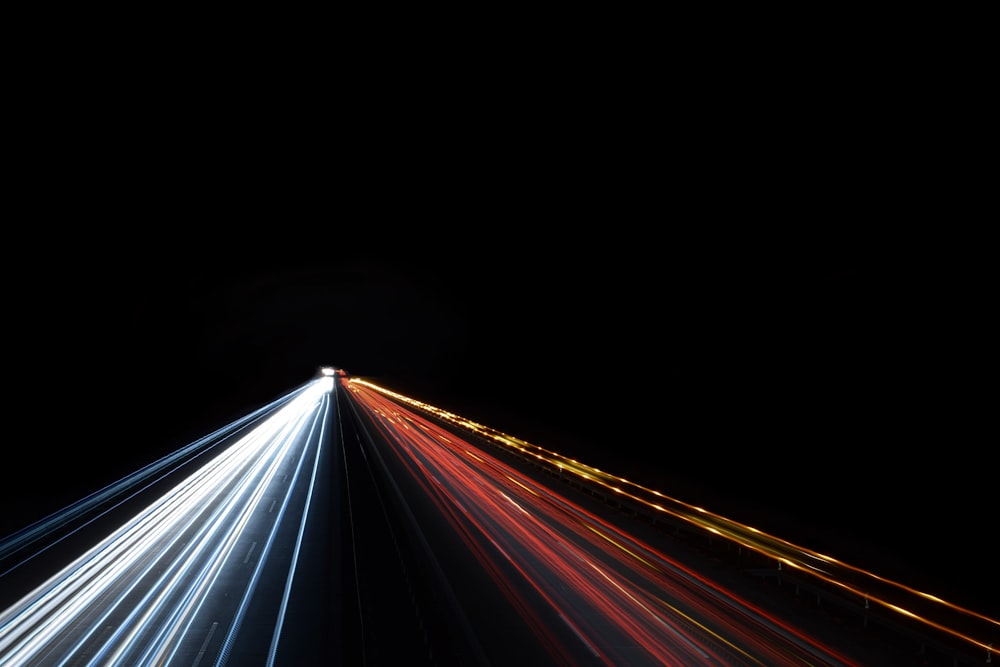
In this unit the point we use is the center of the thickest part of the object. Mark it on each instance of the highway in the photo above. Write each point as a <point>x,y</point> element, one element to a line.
<point>346,524</point>
<point>205,573</point>
<point>579,591</point>
<point>588,561</point>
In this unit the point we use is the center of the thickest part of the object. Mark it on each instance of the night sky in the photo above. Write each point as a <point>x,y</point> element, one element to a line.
<point>708,279</point>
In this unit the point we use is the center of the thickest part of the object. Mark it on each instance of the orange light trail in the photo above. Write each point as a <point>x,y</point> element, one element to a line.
<point>966,625</point>
<point>618,595</point>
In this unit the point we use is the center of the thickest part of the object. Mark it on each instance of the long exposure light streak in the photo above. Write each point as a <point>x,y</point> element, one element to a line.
<point>86,509</point>
<point>625,600</point>
<point>965,625</point>
<point>276,637</point>
<point>195,559</point>
<point>137,596</point>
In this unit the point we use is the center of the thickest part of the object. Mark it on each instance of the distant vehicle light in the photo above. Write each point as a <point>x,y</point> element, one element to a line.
<point>327,370</point>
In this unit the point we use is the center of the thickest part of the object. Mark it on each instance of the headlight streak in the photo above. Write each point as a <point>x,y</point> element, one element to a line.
<point>254,482</point>
<point>241,612</point>
<point>124,548</point>
<point>273,650</point>
<point>863,585</point>
<point>116,491</point>
<point>150,577</point>
<point>533,538</point>
<point>280,444</point>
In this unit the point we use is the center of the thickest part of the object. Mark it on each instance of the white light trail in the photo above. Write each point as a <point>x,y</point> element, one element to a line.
<point>149,579</point>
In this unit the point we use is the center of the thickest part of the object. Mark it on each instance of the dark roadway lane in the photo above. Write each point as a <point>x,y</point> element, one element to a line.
<point>409,570</point>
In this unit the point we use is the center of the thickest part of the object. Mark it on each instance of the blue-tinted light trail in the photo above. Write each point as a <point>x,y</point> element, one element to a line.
<point>148,593</point>
<point>174,583</point>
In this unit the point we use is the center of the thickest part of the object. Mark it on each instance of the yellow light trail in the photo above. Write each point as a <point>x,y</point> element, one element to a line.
<point>868,586</point>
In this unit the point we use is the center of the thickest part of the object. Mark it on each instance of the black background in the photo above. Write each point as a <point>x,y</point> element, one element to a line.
<point>733,274</point>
